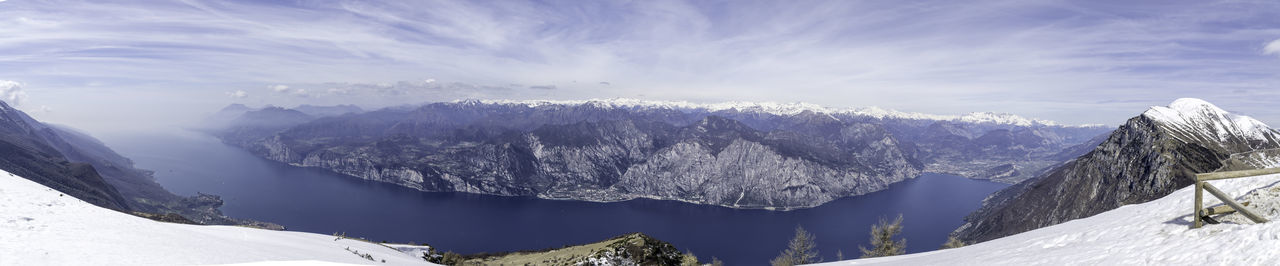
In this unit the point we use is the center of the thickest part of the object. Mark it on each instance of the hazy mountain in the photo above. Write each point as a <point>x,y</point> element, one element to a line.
<point>83,167</point>
<point>323,111</point>
<point>1148,157</point>
<point>739,155</point>
<point>28,151</point>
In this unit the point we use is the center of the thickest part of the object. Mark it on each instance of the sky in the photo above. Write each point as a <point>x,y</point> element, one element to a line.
<point>121,65</point>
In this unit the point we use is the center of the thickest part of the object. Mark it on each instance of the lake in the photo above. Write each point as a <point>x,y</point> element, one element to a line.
<point>315,200</point>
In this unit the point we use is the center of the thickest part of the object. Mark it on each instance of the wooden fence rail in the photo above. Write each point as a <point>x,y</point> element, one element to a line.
<point>1200,214</point>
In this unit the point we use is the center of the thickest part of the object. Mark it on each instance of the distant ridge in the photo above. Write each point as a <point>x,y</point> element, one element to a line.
<point>787,109</point>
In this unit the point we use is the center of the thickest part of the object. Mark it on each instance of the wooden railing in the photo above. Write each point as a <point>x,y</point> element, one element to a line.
<point>1200,214</point>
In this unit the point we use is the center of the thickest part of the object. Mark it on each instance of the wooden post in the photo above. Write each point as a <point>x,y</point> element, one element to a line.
<point>1236,174</point>
<point>1202,186</point>
<point>1230,202</point>
<point>1221,209</point>
<point>1195,215</point>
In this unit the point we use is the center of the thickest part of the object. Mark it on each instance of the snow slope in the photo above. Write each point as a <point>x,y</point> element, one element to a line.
<point>40,226</point>
<point>1152,233</point>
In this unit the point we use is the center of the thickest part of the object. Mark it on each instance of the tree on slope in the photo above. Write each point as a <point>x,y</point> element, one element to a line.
<point>952,242</point>
<point>689,259</point>
<point>801,250</point>
<point>882,243</point>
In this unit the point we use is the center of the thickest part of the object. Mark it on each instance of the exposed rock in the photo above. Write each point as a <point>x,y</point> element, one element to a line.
<point>1147,158</point>
<point>630,249</point>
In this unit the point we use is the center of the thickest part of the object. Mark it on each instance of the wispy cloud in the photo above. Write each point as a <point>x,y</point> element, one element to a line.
<point>1060,60</point>
<point>278,88</point>
<point>238,94</point>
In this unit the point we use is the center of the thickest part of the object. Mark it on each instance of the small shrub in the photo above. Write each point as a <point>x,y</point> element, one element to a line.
<point>689,259</point>
<point>451,258</point>
<point>952,242</point>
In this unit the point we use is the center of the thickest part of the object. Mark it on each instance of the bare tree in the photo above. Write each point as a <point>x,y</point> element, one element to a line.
<point>801,250</point>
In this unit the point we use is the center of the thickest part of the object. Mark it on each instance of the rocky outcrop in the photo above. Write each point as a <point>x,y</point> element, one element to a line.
<point>1147,158</point>
<point>629,249</point>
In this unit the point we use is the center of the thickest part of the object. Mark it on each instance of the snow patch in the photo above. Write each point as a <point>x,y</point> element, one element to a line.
<point>1153,233</point>
<point>40,226</point>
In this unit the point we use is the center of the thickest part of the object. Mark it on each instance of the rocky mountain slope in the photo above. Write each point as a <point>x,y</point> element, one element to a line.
<point>85,168</point>
<point>738,155</point>
<point>25,150</point>
<point>1148,157</point>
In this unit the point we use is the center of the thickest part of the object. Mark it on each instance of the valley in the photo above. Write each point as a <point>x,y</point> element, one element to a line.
<point>318,201</point>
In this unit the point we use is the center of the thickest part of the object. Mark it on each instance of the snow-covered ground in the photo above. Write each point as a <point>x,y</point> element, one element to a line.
<point>39,226</point>
<point>1152,233</point>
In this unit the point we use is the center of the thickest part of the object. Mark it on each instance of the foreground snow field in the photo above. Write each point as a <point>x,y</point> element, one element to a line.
<point>1152,233</point>
<point>39,226</point>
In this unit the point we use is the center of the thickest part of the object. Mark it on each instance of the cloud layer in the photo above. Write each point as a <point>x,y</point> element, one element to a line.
<point>1071,61</point>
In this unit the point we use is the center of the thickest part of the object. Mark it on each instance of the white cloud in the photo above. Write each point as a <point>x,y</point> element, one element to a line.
<point>1026,57</point>
<point>12,93</point>
<point>1272,48</point>
<point>238,94</point>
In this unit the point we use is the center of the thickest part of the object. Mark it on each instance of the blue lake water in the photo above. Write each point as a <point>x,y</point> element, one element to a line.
<point>315,200</point>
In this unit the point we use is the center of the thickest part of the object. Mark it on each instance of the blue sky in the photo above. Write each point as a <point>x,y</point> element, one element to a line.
<point>1069,61</point>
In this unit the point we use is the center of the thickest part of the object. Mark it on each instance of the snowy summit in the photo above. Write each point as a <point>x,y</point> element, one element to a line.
<point>1196,118</point>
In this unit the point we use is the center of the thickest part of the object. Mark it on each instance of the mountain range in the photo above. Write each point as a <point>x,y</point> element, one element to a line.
<point>742,155</point>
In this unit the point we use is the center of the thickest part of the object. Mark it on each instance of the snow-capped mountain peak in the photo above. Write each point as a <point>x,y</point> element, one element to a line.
<point>1199,119</point>
<point>782,109</point>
